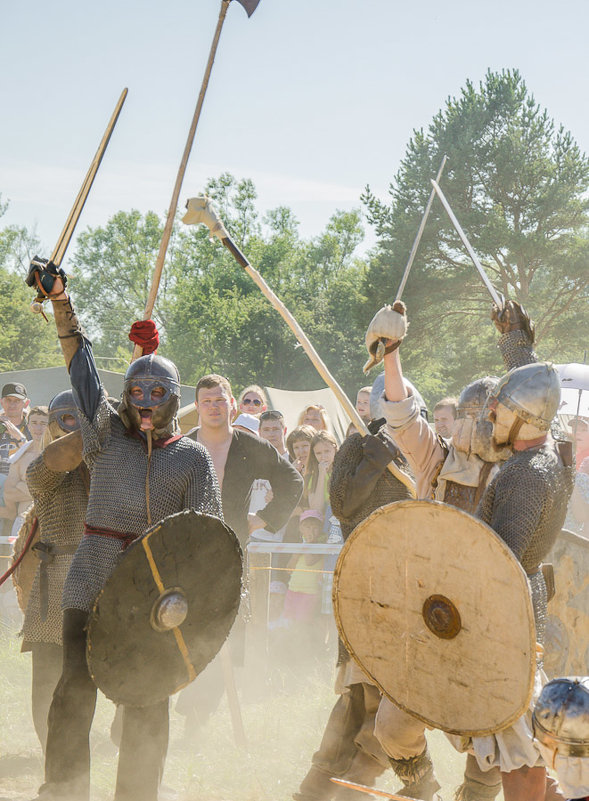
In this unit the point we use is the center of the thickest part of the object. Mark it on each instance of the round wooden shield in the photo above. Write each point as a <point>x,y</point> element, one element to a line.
<point>567,625</point>
<point>166,609</point>
<point>435,608</point>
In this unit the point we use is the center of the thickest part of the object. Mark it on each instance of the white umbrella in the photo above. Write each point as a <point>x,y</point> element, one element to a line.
<point>574,393</point>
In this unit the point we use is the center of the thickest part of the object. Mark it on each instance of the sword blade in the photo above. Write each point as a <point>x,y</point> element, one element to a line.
<point>492,291</point>
<point>74,215</point>
<point>419,233</point>
<point>362,788</point>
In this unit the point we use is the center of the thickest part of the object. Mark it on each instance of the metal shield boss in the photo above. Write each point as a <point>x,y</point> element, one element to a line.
<point>567,624</point>
<point>437,611</point>
<point>166,610</point>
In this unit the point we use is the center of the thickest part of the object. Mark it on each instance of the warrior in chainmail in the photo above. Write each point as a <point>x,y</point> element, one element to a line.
<point>526,505</point>
<point>456,472</point>
<point>141,471</point>
<point>525,501</point>
<point>360,483</point>
<point>58,482</point>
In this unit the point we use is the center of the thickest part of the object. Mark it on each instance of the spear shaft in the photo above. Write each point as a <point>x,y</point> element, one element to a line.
<point>161,256</point>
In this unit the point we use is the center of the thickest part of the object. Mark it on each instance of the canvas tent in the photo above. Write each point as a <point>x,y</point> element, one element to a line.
<point>45,382</point>
<point>290,403</point>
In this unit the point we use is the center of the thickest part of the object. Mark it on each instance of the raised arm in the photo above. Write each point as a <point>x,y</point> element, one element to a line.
<point>516,342</point>
<point>416,440</point>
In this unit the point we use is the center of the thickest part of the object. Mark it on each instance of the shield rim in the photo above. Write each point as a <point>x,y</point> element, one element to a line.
<point>94,617</point>
<point>356,533</point>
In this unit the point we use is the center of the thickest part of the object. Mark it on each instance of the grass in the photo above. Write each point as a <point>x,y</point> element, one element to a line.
<point>283,727</point>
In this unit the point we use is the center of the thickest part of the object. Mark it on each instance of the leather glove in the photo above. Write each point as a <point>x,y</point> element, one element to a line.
<point>385,333</point>
<point>512,316</point>
<point>43,274</point>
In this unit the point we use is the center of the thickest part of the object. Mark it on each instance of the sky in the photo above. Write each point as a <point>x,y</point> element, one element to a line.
<point>311,99</point>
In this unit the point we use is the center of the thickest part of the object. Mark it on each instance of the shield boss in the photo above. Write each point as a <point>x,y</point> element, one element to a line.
<point>166,609</point>
<point>435,608</point>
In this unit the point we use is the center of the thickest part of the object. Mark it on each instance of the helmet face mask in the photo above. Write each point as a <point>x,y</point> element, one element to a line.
<point>151,395</point>
<point>473,431</point>
<point>63,414</point>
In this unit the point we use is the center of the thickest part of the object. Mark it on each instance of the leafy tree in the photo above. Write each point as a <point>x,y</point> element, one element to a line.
<point>518,185</point>
<point>112,271</point>
<point>26,341</point>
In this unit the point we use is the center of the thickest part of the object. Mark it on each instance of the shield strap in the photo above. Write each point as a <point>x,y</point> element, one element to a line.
<point>177,633</point>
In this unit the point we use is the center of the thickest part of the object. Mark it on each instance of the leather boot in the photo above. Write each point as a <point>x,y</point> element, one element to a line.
<point>417,775</point>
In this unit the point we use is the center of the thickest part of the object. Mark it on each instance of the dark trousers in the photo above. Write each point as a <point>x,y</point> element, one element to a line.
<point>144,739</point>
<point>47,658</point>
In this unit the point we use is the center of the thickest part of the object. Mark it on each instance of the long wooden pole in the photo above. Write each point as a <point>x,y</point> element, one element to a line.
<point>161,256</point>
<point>201,211</point>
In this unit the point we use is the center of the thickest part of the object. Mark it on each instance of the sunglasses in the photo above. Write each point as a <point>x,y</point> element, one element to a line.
<point>251,402</point>
<point>271,414</point>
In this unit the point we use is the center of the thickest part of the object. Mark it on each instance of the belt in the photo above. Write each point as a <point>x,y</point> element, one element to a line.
<point>126,537</point>
<point>46,553</point>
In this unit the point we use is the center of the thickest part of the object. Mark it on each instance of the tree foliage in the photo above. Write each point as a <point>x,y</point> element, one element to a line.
<point>518,185</point>
<point>26,340</point>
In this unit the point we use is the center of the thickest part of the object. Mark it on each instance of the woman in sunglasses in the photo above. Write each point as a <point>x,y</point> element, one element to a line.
<point>252,400</point>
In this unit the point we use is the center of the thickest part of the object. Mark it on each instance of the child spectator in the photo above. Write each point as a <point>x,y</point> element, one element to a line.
<point>303,596</point>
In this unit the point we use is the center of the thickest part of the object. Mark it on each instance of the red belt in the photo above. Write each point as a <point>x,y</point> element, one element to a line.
<point>126,537</point>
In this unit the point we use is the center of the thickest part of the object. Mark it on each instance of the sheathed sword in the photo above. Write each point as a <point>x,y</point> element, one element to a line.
<point>492,291</point>
<point>68,230</point>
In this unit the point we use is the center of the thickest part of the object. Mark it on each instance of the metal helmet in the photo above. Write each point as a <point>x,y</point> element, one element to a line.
<point>60,407</point>
<point>561,716</point>
<point>148,373</point>
<point>478,436</point>
<point>531,393</point>
<point>473,398</point>
<point>376,396</point>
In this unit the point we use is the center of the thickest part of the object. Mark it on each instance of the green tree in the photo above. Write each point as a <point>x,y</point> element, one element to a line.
<point>111,275</point>
<point>27,341</point>
<point>518,184</point>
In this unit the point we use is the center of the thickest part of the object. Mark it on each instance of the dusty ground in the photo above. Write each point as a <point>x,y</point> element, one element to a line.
<point>283,724</point>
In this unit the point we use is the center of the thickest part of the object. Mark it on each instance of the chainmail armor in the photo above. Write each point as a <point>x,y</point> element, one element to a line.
<point>60,505</point>
<point>377,484</point>
<point>385,488</point>
<point>516,349</point>
<point>181,476</point>
<point>525,504</point>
